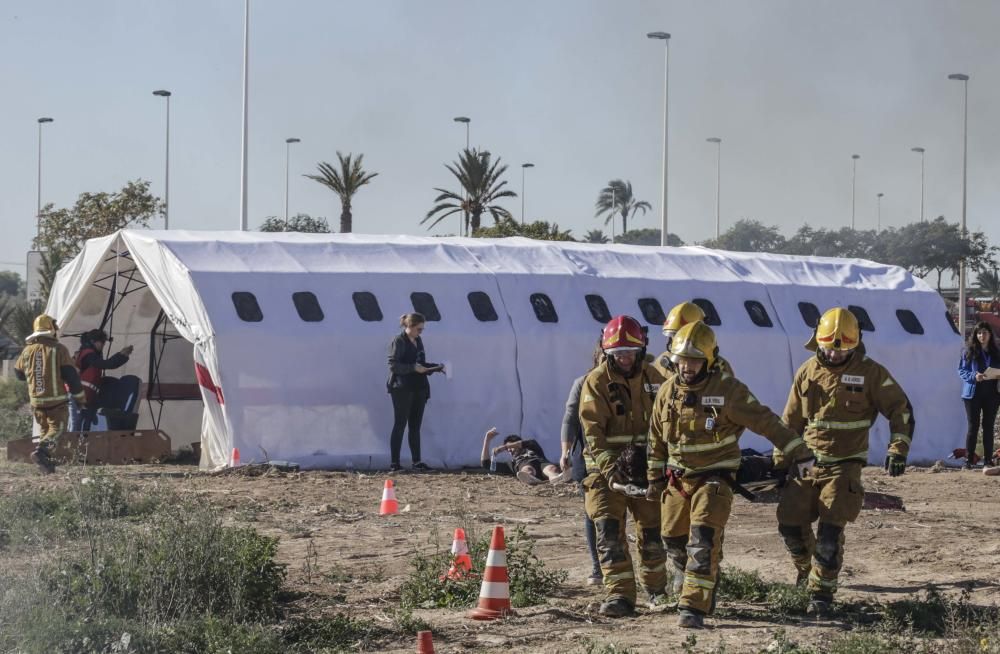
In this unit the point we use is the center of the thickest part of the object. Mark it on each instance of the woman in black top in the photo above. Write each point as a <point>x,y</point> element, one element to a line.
<point>409,387</point>
<point>978,392</point>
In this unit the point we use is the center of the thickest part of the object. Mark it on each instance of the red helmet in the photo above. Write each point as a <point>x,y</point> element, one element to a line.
<point>622,334</point>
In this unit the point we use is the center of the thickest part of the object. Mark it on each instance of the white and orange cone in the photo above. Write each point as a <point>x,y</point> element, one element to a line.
<point>235,459</point>
<point>389,504</point>
<point>494,597</point>
<point>461,562</point>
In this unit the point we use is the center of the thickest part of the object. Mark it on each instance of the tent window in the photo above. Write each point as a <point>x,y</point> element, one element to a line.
<point>308,306</point>
<point>758,314</point>
<point>482,306</point>
<point>544,310</point>
<point>598,308</point>
<point>711,315</point>
<point>864,322</point>
<point>951,323</point>
<point>810,314</point>
<point>366,304</point>
<point>424,303</point>
<point>909,321</point>
<point>651,310</point>
<point>246,307</point>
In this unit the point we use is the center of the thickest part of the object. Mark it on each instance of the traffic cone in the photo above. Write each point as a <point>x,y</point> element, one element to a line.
<point>235,463</point>
<point>461,562</point>
<point>389,504</point>
<point>494,597</point>
<point>425,643</point>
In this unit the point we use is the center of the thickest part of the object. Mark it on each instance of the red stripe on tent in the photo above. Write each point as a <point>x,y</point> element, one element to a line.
<point>205,380</point>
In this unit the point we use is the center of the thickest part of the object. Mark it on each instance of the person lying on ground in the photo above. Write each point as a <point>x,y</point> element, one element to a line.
<point>529,464</point>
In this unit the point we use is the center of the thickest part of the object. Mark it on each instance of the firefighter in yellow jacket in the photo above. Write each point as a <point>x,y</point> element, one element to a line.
<point>616,403</point>
<point>47,366</point>
<point>698,417</point>
<point>684,313</point>
<point>835,397</point>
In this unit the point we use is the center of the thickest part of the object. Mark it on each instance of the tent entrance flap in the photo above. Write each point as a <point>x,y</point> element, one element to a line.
<point>157,391</point>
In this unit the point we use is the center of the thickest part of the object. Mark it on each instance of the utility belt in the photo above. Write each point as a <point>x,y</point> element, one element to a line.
<point>674,476</point>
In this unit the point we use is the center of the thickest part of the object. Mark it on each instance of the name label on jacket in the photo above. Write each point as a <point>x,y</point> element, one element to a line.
<point>652,388</point>
<point>713,400</point>
<point>854,380</point>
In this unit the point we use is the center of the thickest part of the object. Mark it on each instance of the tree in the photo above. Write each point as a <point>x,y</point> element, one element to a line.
<point>648,237</point>
<point>989,282</point>
<point>617,197</point>
<point>17,317</point>
<point>345,183</point>
<point>11,283</point>
<point>540,230</point>
<point>748,236</point>
<point>481,185</point>
<point>298,223</point>
<point>596,236</point>
<point>62,232</point>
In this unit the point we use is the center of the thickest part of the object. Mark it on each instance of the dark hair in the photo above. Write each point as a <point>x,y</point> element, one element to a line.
<point>89,338</point>
<point>598,355</point>
<point>411,319</point>
<point>973,350</point>
<point>513,438</point>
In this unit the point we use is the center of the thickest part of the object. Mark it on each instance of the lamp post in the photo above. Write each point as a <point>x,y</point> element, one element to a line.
<point>718,182</point>
<point>288,147</point>
<point>166,174</point>
<point>246,90</point>
<point>38,211</point>
<point>663,36</point>
<point>878,212</point>
<point>524,167</point>
<point>465,213</point>
<point>920,151</point>
<point>965,165</point>
<point>854,184</point>
<point>614,202</point>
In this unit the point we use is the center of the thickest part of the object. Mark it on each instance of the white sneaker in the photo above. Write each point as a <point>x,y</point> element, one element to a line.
<point>528,478</point>
<point>563,477</point>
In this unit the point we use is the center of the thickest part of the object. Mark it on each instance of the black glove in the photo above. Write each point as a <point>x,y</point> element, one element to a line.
<point>895,464</point>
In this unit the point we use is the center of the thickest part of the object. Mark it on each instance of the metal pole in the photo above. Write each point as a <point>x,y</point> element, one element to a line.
<point>166,174</point>
<point>878,214</point>
<point>38,210</point>
<point>523,168</point>
<point>718,183</point>
<point>246,79</point>
<point>666,124</point>
<point>288,150</point>
<point>854,184</point>
<point>921,185</point>
<point>965,169</point>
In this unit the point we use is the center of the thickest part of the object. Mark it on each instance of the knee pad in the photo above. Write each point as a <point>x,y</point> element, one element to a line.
<point>699,549</point>
<point>828,545</point>
<point>652,547</point>
<point>609,547</point>
<point>795,541</point>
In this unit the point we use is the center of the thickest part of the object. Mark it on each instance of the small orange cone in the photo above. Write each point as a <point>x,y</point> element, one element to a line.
<point>461,562</point>
<point>235,463</point>
<point>494,597</point>
<point>425,643</point>
<point>389,504</point>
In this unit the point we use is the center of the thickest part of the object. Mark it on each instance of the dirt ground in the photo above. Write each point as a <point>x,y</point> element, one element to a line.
<point>947,537</point>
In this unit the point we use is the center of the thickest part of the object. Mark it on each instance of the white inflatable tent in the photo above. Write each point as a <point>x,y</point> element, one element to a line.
<point>276,343</point>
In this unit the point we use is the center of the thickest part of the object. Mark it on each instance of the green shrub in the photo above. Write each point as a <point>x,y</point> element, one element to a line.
<point>332,634</point>
<point>13,394</point>
<point>14,424</point>
<point>748,586</point>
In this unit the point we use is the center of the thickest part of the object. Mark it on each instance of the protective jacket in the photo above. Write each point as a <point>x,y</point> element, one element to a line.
<point>46,365</point>
<point>696,428</point>
<point>615,413</point>
<point>833,408</point>
<point>92,365</point>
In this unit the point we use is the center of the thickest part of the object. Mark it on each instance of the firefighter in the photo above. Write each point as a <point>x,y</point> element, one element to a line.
<point>682,314</point>
<point>616,403</point>
<point>835,397</point>
<point>46,365</point>
<point>694,455</point>
<point>91,363</point>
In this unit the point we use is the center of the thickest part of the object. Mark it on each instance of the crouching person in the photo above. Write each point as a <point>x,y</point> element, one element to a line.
<point>616,402</point>
<point>698,417</point>
<point>46,365</point>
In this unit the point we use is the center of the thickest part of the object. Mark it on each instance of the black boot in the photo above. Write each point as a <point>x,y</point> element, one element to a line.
<point>40,457</point>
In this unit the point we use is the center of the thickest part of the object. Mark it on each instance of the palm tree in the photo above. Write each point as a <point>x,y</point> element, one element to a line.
<point>481,187</point>
<point>595,236</point>
<point>989,282</point>
<point>617,196</point>
<point>344,182</point>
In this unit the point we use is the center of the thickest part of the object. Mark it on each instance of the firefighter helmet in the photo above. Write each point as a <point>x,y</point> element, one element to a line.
<point>45,323</point>
<point>838,330</point>
<point>682,314</point>
<point>695,340</point>
<point>623,334</point>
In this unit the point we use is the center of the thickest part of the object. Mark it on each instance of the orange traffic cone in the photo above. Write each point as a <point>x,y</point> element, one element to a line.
<point>461,562</point>
<point>235,463</point>
<point>425,644</point>
<point>494,597</point>
<point>389,504</point>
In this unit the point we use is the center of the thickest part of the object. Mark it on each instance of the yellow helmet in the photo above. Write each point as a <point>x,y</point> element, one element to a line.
<point>695,340</point>
<point>682,314</point>
<point>45,323</point>
<point>838,330</point>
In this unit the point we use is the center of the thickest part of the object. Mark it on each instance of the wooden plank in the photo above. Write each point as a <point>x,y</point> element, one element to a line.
<point>100,447</point>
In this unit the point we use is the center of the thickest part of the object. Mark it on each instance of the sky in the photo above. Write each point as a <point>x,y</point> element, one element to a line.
<point>792,87</point>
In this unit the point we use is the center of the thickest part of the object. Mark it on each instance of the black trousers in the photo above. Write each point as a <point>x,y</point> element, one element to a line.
<point>983,405</point>
<point>408,412</point>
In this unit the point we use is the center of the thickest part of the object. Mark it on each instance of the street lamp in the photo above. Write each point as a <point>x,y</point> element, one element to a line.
<point>878,219</point>
<point>663,36</point>
<point>465,213</point>
<point>718,181</point>
<point>38,212</point>
<point>466,120</point>
<point>524,167</point>
<point>288,146</point>
<point>246,119</point>
<point>965,165</point>
<point>920,151</point>
<point>166,176</point>
<point>854,184</point>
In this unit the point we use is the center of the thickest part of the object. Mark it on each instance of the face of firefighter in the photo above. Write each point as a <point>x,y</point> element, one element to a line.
<point>688,368</point>
<point>835,357</point>
<point>983,336</point>
<point>625,359</point>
